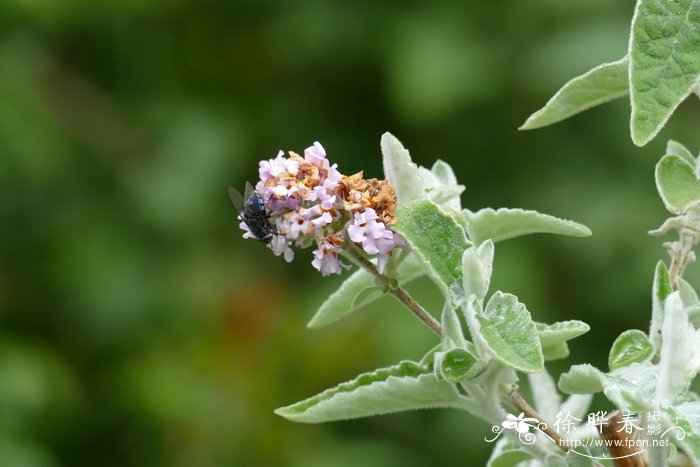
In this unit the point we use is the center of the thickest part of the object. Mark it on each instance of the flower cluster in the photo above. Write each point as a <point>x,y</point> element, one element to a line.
<point>310,202</point>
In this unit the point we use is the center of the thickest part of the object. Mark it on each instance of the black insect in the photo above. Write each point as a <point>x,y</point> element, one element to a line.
<point>253,212</point>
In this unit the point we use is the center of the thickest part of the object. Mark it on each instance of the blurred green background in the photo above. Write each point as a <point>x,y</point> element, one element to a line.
<point>137,328</point>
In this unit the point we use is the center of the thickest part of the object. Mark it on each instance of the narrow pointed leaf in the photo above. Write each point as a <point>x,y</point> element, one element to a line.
<point>680,352</point>
<point>661,289</point>
<point>597,86</point>
<point>406,386</point>
<point>400,170</point>
<point>477,267</point>
<point>509,223</point>
<point>551,334</point>
<point>507,329</point>
<point>437,240</point>
<point>631,346</point>
<point>664,62</point>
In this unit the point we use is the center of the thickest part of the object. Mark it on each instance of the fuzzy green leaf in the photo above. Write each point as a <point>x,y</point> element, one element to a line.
<point>555,351</point>
<point>406,386</point>
<point>400,170</point>
<point>551,334</point>
<point>359,290</point>
<point>679,356</point>
<point>687,417</point>
<point>629,347</point>
<point>661,289</point>
<point>477,267</point>
<point>437,240</point>
<point>664,62</point>
<point>457,365</point>
<point>581,379</point>
<point>508,223</point>
<point>555,460</point>
<point>677,149</point>
<point>508,457</point>
<point>507,329</point>
<point>597,86</point>
<point>677,184</point>
<point>440,185</point>
<point>579,457</point>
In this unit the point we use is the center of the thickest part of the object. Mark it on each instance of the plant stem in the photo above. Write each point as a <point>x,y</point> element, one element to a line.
<point>398,292</point>
<point>682,250</point>
<point>517,401</point>
<point>414,307</point>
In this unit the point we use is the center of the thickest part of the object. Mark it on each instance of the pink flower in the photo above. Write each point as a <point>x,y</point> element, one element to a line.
<point>272,168</point>
<point>280,246</point>
<point>326,259</point>
<point>374,237</point>
<point>315,154</point>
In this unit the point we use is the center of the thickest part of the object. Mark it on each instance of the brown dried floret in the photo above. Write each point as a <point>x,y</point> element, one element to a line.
<point>359,193</point>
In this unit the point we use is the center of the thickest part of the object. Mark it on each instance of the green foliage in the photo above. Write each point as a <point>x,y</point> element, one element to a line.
<point>552,334</point>
<point>400,170</point>
<point>406,386</point>
<point>661,289</point>
<point>677,184</point>
<point>457,365</point>
<point>358,291</point>
<point>477,266</point>
<point>661,69</point>
<point>664,62</point>
<point>502,224</point>
<point>631,346</point>
<point>597,86</point>
<point>437,240</point>
<point>507,329</point>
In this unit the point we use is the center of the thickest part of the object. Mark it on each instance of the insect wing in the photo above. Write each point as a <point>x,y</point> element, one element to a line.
<point>237,200</point>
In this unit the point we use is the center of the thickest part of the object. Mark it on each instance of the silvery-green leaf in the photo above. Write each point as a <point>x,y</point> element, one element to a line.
<point>359,290</point>
<point>677,149</point>
<point>688,294</point>
<point>507,329</point>
<point>437,240</point>
<point>555,351</point>
<point>577,405</point>
<point>597,86</point>
<point>506,454</point>
<point>457,365</point>
<point>687,417</point>
<point>677,184</point>
<point>477,267</point>
<point>544,394</point>
<point>406,386</point>
<point>661,289</point>
<point>632,387</point>
<point>580,457</point>
<point>694,315</point>
<point>555,460</point>
<point>453,336</point>
<point>441,185</point>
<point>664,62</point>
<point>551,334</point>
<point>505,223</point>
<point>581,379</point>
<point>631,346</point>
<point>400,170</point>
<point>679,358</point>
